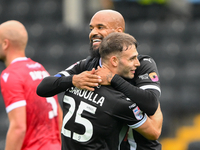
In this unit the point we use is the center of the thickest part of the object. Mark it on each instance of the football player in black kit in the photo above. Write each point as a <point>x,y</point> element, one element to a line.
<point>145,88</point>
<point>93,119</point>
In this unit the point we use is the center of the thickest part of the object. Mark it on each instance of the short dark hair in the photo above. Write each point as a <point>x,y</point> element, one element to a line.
<point>116,42</point>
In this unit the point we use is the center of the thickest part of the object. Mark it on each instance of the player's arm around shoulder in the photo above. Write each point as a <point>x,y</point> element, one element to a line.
<point>52,85</point>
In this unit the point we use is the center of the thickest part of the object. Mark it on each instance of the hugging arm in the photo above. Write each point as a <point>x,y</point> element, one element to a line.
<point>143,90</point>
<point>147,100</point>
<point>76,75</point>
<point>52,85</point>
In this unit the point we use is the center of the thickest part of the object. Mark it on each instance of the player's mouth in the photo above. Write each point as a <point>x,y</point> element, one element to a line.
<point>96,42</point>
<point>133,71</point>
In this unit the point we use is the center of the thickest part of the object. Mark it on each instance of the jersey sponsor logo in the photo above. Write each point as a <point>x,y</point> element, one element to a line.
<point>144,76</point>
<point>153,76</point>
<point>36,65</point>
<point>38,74</point>
<point>5,77</point>
<point>138,113</point>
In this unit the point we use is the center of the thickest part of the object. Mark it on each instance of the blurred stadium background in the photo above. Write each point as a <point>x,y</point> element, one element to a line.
<point>167,30</point>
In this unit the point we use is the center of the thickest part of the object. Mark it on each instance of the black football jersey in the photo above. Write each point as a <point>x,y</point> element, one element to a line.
<point>146,77</point>
<point>92,118</point>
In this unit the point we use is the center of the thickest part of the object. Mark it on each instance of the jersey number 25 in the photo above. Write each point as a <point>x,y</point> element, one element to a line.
<point>78,119</point>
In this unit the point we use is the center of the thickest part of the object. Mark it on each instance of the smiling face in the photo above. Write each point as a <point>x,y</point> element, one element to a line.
<point>119,54</point>
<point>102,24</point>
<point>128,62</point>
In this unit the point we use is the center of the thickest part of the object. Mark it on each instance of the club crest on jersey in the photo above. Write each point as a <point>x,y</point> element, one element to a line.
<point>138,113</point>
<point>153,76</point>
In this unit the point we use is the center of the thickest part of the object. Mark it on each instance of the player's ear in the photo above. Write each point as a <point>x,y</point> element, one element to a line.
<point>114,61</point>
<point>5,44</point>
<point>119,29</point>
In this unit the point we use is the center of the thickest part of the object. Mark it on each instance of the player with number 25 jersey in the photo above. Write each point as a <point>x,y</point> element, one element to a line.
<point>92,118</point>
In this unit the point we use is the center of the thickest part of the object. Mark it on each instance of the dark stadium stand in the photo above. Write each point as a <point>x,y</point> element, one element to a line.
<point>173,43</point>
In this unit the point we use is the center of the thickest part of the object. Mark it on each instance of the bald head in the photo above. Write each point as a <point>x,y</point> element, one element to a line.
<point>15,33</point>
<point>102,24</point>
<point>111,16</point>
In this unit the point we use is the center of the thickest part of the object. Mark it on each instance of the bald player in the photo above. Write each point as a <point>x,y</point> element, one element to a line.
<point>34,121</point>
<point>143,89</point>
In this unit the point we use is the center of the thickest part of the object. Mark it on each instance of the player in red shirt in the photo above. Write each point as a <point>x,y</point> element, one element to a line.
<point>35,121</point>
